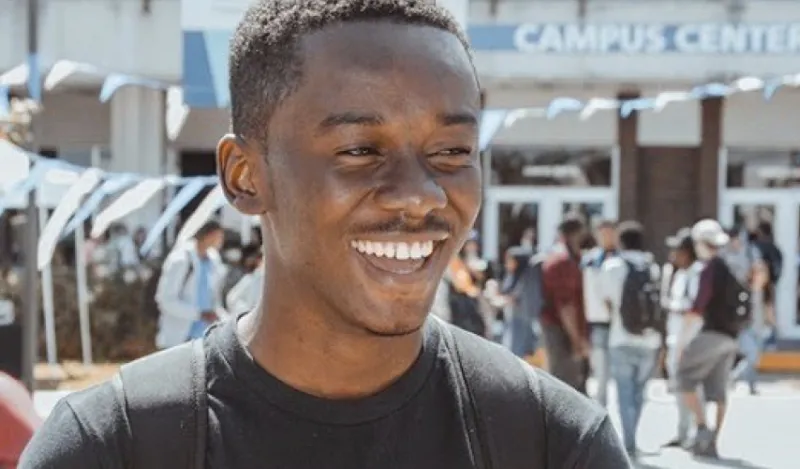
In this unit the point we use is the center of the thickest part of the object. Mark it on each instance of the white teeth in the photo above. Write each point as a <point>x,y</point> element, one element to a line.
<point>400,251</point>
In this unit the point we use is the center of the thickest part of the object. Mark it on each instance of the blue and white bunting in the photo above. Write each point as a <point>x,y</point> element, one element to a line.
<point>181,199</point>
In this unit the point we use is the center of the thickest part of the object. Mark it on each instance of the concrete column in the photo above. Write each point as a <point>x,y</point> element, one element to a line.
<point>138,142</point>
<point>711,141</point>
<point>627,140</point>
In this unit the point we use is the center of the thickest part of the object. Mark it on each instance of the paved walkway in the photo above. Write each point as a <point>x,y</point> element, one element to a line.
<point>761,432</point>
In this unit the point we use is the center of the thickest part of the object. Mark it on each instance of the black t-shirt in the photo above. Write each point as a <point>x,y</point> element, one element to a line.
<point>256,421</point>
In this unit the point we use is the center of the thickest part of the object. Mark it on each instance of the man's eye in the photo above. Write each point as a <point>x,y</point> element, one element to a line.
<point>454,152</point>
<point>360,151</point>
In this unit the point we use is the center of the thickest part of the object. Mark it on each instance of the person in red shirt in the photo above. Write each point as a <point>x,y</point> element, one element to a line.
<point>18,420</point>
<point>563,320</point>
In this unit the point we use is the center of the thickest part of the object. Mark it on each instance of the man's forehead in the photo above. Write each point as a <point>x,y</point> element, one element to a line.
<point>385,75</point>
<point>380,45</point>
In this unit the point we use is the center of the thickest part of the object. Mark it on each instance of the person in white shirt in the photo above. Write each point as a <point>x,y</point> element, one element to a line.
<point>633,354</point>
<point>189,294</point>
<point>245,295</point>
<point>680,284</point>
<point>597,313</point>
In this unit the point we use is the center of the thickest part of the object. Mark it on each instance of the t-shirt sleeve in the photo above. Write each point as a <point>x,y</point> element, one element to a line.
<point>86,430</point>
<point>602,449</point>
<point>579,432</point>
<point>61,443</point>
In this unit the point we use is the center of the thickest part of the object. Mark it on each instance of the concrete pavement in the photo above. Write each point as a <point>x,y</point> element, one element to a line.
<point>761,432</point>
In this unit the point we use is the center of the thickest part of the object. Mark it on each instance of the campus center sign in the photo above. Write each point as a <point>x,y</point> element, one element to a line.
<point>636,38</point>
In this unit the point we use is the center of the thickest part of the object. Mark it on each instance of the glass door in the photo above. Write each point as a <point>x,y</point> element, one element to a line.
<point>526,216</point>
<point>780,210</point>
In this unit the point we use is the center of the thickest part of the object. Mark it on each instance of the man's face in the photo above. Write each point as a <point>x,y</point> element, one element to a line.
<point>576,239</point>
<point>607,238</point>
<point>372,174</point>
<point>681,258</point>
<point>214,240</point>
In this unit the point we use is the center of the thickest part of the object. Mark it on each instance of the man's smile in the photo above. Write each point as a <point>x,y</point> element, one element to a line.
<point>397,257</point>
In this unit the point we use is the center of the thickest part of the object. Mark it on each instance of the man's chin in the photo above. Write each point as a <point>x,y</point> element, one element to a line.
<point>397,322</point>
<point>395,331</point>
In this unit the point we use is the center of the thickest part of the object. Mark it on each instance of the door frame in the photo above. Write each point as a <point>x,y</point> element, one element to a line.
<point>550,201</point>
<point>785,231</point>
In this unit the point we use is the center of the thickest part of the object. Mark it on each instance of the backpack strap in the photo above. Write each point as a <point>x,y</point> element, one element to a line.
<point>165,400</point>
<point>507,421</point>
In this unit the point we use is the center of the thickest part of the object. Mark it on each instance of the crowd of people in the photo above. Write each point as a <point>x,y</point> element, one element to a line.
<point>599,304</point>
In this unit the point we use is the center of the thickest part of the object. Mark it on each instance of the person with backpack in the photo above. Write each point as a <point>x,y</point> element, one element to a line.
<point>189,294</point>
<point>361,159</point>
<point>680,278</point>
<point>630,288</point>
<point>597,314</point>
<point>723,306</point>
<point>745,262</point>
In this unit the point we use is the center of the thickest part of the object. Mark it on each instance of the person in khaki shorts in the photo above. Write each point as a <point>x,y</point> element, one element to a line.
<point>708,359</point>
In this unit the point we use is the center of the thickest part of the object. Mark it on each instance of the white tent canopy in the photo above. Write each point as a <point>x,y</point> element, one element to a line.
<point>51,188</point>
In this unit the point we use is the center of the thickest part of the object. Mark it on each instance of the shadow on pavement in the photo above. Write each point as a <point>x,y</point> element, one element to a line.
<point>729,463</point>
<point>721,462</point>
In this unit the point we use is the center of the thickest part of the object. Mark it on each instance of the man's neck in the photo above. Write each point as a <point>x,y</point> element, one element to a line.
<point>317,353</point>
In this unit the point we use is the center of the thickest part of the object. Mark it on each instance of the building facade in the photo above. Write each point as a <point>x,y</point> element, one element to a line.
<point>733,157</point>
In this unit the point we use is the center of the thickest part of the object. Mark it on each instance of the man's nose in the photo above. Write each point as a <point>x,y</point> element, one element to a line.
<point>411,188</point>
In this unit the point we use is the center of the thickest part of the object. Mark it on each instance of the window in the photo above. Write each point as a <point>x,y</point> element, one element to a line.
<point>762,169</point>
<point>531,166</point>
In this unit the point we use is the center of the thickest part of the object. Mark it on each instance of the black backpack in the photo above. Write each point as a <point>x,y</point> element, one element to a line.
<point>735,299</point>
<point>177,410</point>
<point>641,304</point>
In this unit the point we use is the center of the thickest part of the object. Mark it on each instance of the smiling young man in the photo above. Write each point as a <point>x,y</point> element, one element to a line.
<point>354,138</point>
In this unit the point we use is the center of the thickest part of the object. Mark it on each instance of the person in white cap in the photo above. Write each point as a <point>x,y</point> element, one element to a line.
<point>708,358</point>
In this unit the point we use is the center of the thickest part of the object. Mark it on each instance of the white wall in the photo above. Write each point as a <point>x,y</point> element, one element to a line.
<point>74,120</point>
<point>750,121</point>
<point>115,34</point>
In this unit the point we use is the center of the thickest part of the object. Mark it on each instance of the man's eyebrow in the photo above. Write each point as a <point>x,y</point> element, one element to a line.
<point>368,119</point>
<point>458,118</point>
<point>349,118</point>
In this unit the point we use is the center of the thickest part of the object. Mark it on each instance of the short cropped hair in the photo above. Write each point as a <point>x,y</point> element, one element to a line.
<point>571,225</point>
<point>265,65</point>
<point>631,236</point>
<point>207,229</point>
<point>606,224</point>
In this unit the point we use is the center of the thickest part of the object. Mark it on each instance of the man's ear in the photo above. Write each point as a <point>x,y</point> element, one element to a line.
<point>241,177</point>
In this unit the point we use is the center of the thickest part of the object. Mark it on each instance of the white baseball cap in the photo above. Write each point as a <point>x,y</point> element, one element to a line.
<point>711,232</point>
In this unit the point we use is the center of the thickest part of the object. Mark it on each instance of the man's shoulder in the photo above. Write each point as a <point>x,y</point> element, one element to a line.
<point>614,264</point>
<point>509,379</point>
<point>86,429</point>
<point>563,425</point>
<point>559,260</point>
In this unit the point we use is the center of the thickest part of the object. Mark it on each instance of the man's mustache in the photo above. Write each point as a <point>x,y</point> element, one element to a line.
<point>430,224</point>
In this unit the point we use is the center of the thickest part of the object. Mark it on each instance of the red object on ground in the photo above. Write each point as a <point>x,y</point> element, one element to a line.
<point>18,420</point>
